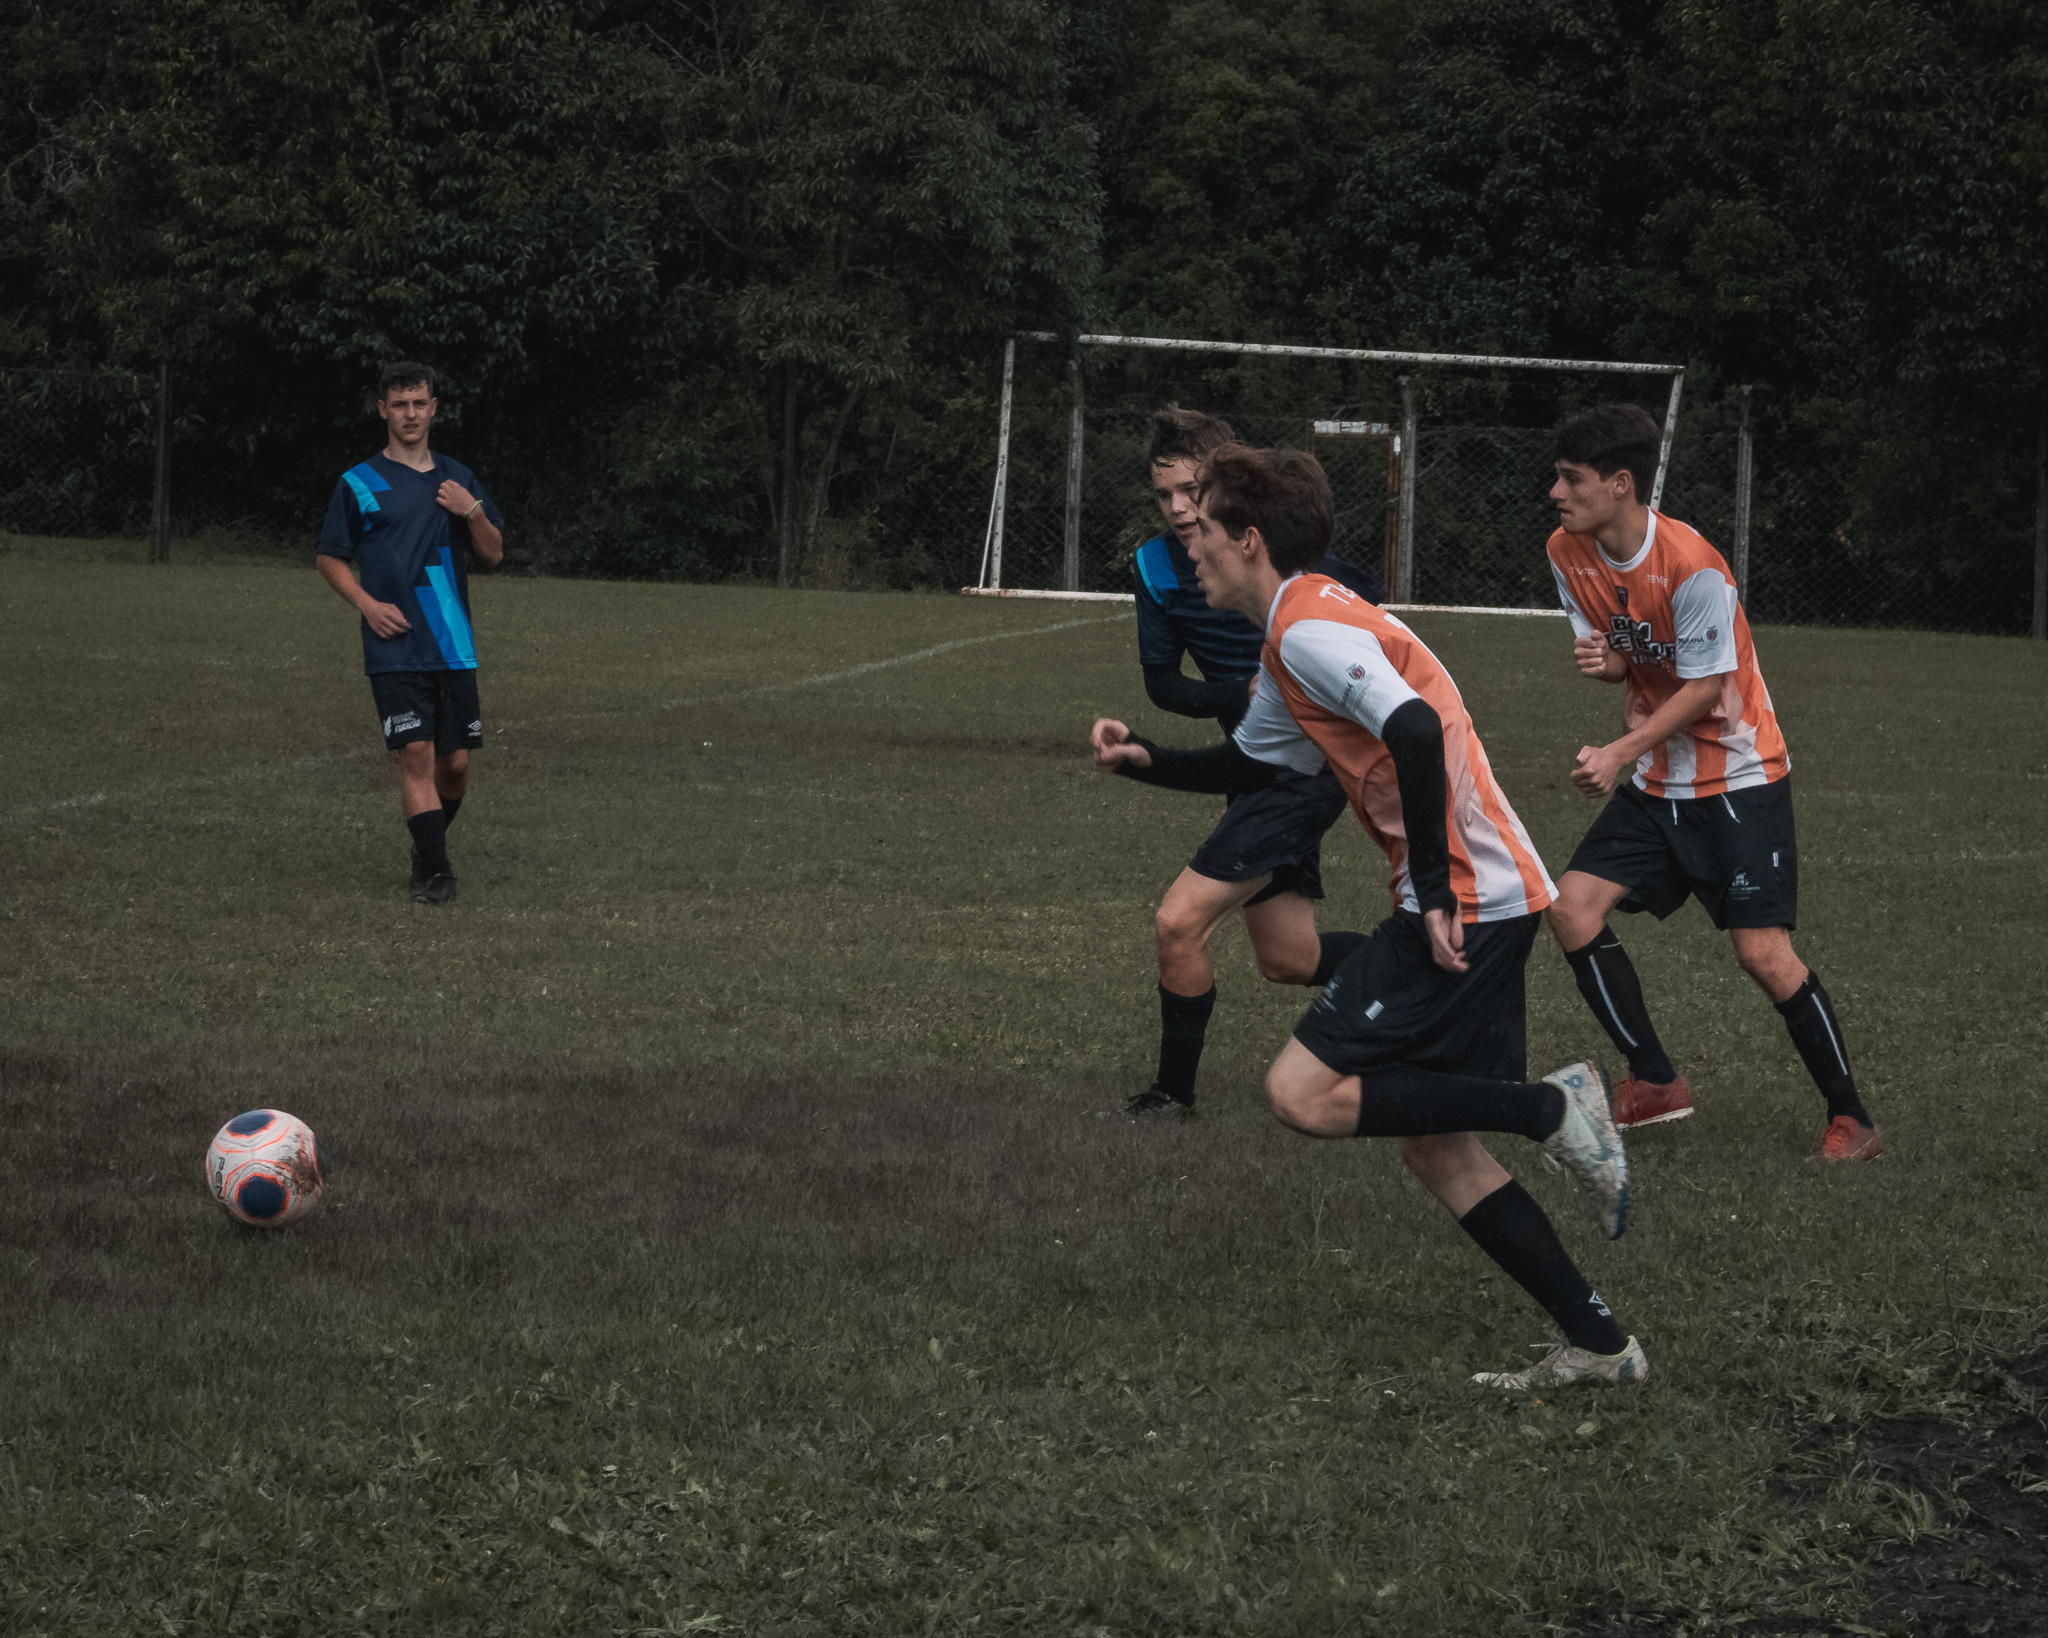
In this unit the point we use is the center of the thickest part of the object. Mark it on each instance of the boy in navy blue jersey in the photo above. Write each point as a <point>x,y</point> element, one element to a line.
<point>396,518</point>
<point>1265,855</point>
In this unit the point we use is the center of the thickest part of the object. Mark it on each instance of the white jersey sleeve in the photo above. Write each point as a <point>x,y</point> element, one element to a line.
<point>1581,626</point>
<point>1268,734</point>
<point>1703,615</point>
<point>1345,671</point>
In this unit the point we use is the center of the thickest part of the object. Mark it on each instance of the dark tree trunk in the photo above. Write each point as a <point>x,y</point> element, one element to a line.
<point>786,566</point>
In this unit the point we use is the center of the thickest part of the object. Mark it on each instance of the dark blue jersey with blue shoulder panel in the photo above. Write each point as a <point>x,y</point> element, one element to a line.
<point>1174,617</point>
<point>386,519</point>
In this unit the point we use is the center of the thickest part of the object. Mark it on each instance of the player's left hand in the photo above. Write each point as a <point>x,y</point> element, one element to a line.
<point>455,498</point>
<point>1446,940</point>
<point>1597,769</point>
<point>1111,742</point>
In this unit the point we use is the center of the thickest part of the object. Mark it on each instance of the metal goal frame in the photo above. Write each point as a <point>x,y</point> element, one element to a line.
<point>1401,583</point>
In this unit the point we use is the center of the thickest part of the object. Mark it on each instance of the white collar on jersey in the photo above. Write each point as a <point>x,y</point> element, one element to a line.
<point>1636,562</point>
<point>1273,607</point>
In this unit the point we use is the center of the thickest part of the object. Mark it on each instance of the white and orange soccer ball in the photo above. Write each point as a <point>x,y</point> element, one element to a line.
<point>264,1167</point>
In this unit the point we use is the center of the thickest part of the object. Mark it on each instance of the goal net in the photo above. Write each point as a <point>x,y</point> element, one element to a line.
<point>1438,462</point>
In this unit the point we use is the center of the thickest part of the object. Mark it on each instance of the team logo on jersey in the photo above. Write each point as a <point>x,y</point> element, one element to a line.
<point>1621,595</point>
<point>1713,634</point>
<point>1635,639</point>
<point>1355,672</point>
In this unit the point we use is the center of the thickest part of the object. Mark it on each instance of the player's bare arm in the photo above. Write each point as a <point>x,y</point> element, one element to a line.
<point>383,618</point>
<point>486,540</point>
<point>1598,767</point>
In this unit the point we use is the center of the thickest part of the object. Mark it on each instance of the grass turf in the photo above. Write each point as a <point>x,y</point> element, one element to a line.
<point>723,1235</point>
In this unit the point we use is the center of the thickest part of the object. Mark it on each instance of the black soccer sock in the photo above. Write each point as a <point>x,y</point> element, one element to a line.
<point>1404,1102</point>
<point>450,807</point>
<point>1183,1022</point>
<point>1511,1229</point>
<point>1607,979</point>
<point>1810,1020</point>
<point>430,836</point>
<point>1336,946</point>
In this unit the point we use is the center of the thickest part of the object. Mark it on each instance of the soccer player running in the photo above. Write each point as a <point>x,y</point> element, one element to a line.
<point>1420,1034</point>
<point>1264,857</point>
<point>395,517</point>
<point>1707,812</point>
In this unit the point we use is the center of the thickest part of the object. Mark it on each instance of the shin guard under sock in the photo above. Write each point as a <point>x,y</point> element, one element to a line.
<point>1510,1228</point>
<point>1810,1020</point>
<point>1607,979</point>
<point>1336,946</point>
<point>430,836</point>
<point>1183,1022</point>
<point>1404,1102</point>
<point>450,807</point>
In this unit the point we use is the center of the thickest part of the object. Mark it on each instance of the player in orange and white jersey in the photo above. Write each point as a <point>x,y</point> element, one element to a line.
<point>1420,1032</point>
<point>1708,811</point>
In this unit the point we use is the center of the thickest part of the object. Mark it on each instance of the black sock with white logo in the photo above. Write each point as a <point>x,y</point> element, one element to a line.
<point>1403,1102</point>
<point>450,807</point>
<point>1607,979</point>
<point>1510,1228</point>
<point>1336,946</point>
<point>430,836</point>
<point>1810,1020</point>
<point>1183,1025</point>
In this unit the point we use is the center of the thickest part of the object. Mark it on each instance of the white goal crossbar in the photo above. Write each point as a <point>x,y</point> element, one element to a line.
<point>990,582</point>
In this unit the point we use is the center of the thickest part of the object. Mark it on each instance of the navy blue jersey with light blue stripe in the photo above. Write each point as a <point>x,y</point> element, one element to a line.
<point>411,552</point>
<point>1174,618</point>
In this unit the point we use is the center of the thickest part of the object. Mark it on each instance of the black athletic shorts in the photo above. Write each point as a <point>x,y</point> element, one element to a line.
<point>1279,829</point>
<point>1390,1003</point>
<point>1735,853</point>
<point>437,705</point>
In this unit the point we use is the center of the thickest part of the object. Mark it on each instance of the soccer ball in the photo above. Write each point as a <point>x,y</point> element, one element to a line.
<point>264,1167</point>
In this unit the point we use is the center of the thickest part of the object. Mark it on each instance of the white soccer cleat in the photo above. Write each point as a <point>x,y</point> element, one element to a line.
<point>1588,1145</point>
<point>1563,1365</point>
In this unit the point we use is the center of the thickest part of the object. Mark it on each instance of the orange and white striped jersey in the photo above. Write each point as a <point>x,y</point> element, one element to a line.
<point>1671,611</point>
<point>1335,668</point>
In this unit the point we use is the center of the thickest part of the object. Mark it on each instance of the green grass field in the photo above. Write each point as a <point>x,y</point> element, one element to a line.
<point>723,1234</point>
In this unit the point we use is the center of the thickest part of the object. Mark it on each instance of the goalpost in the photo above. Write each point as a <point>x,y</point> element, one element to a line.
<point>1402,445</point>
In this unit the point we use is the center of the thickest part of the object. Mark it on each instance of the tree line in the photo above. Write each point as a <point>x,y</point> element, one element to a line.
<point>710,284</point>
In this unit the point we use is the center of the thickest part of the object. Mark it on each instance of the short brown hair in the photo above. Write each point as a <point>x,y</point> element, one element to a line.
<point>1186,435</point>
<point>1283,493</point>
<point>1609,437</point>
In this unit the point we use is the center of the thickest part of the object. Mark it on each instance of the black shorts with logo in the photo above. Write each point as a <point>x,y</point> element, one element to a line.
<point>1735,853</point>
<point>1279,829</point>
<point>1390,1003</point>
<point>437,705</point>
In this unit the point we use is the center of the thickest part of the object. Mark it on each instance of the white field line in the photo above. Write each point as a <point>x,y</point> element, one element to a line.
<point>246,774</point>
<point>895,660</point>
<point>269,770</point>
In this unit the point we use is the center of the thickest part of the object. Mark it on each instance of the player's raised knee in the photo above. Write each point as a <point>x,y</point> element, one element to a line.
<point>1277,967</point>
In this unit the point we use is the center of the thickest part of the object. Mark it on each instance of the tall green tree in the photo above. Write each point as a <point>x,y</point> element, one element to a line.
<point>879,185</point>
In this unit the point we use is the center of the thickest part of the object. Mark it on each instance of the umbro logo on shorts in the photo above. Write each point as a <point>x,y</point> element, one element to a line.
<point>401,722</point>
<point>477,726</point>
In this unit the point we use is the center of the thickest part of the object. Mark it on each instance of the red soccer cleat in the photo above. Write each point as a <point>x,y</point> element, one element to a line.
<point>1849,1139</point>
<point>1644,1103</point>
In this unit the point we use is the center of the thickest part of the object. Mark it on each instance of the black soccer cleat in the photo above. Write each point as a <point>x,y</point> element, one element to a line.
<point>1155,1104</point>
<point>434,890</point>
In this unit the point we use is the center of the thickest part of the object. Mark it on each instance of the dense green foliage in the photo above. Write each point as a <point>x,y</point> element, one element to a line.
<point>720,290</point>
<point>722,1237</point>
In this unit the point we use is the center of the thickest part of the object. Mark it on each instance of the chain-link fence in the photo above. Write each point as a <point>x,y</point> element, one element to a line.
<point>77,452</point>
<point>1841,530</point>
<point>1838,532</point>
<point>96,454</point>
